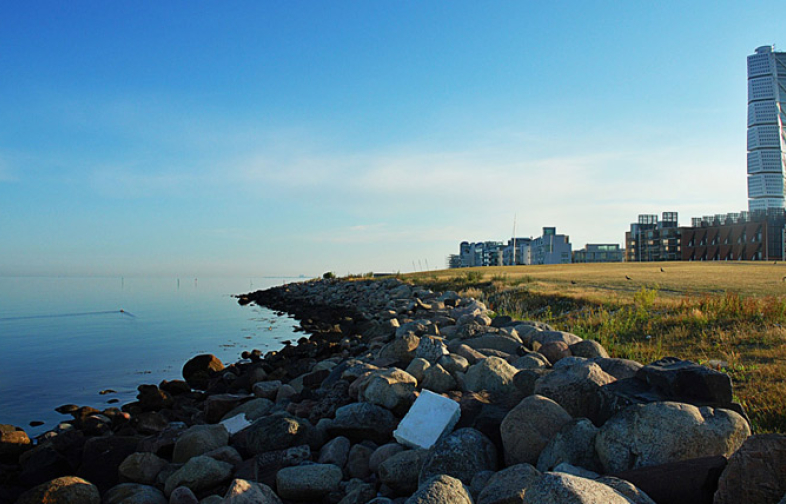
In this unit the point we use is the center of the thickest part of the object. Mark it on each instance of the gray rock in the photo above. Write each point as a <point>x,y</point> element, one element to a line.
<point>253,409</point>
<point>498,341</point>
<point>64,490</point>
<point>361,494</point>
<point>626,488</point>
<point>199,473</point>
<point>563,488</point>
<point>494,375</point>
<point>576,388</point>
<point>134,493</point>
<point>661,432</point>
<point>588,349</point>
<point>461,455</point>
<point>361,421</point>
<point>284,393</point>
<point>401,471</point>
<point>275,432</point>
<point>308,482</point>
<point>226,454</point>
<point>141,467</point>
<point>526,379</point>
<point>438,379</point>
<point>267,389</point>
<point>544,337</point>
<point>431,348</point>
<point>441,489</point>
<point>454,363</point>
<point>13,442</point>
<point>756,472</point>
<point>554,351</point>
<point>509,485</point>
<point>471,355</point>
<point>417,368</point>
<point>198,440</point>
<point>573,444</point>
<point>335,451</point>
<point>248,492</point>
<point>183,495</point>
<point>619,368</point>
<point>564,467</point>
<point>393,389</point>
<point>358,461</point>
<point>527,428</point>
<point>531,360</point>
<point>687,382</point>
<point>401,350</point>
<point>383,453</point>
<point>479,482</point>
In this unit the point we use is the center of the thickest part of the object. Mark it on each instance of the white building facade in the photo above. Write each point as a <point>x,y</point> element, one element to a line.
<point>766,129</point>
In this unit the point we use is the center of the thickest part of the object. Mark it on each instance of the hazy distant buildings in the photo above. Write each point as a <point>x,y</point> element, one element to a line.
<point>549,248</point>
<point>766,129</point>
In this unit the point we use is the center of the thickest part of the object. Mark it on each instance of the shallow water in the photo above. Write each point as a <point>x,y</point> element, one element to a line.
<point>63,340</point>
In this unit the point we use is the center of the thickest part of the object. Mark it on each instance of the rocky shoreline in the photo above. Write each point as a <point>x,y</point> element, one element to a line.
<point>517,413</point>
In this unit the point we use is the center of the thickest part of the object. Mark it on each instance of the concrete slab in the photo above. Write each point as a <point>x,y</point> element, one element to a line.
<point>429,418</point>
<point>235,424</point>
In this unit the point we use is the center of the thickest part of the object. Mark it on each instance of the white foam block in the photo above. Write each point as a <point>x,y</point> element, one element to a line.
<point>430,417</point>
<point>235,424</point>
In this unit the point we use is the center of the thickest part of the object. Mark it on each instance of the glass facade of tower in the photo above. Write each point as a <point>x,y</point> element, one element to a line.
<point>766,129</point>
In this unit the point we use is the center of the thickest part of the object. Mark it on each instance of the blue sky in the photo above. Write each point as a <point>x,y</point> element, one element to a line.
<point>297,137</point>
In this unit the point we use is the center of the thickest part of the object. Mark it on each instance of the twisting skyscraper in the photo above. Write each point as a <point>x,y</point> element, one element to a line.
<point>766,129</point>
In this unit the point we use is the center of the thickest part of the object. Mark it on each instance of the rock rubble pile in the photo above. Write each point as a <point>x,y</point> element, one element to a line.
<point>545,417</point>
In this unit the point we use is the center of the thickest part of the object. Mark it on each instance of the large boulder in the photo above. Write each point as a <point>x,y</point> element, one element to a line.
<point>509,485</point>
<point>199,473</point>
<point>198,440</point>
<point>441,489</point>
<point>527,428</point>
<point>573,444</point>
<point>461,455</point>
<point>756,473</point>
<point>438,379</point>
<point>686,381</point>
<point>198,370</point>
<point>141,467</point>
<point>503,342</point>
<point>401,471</point>
<point>275,432</point>
<point>393,389</point>
<point>65,490</point>
<point>308,482</point>
<point>577,388</point>
<point>493,375</point>
<point>401,350</point>
<point>361,421</point>
<point>661,432</point>
<point>562,488</point>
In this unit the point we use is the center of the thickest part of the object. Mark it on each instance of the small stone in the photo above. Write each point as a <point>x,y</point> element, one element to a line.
<point>308,482</point>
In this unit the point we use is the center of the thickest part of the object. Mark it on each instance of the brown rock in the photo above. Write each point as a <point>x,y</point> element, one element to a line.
<point>198,371</point>
<point>756,473</point>
<point>65,490</point>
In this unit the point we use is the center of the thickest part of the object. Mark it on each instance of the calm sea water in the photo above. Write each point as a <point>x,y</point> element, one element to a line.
<point>63,340</point>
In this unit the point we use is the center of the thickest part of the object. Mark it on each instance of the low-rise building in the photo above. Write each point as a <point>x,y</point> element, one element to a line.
<point>743,236</point>
<point>599,253</point>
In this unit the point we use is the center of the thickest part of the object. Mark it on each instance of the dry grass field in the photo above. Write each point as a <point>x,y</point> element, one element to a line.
<point>731,316</point>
